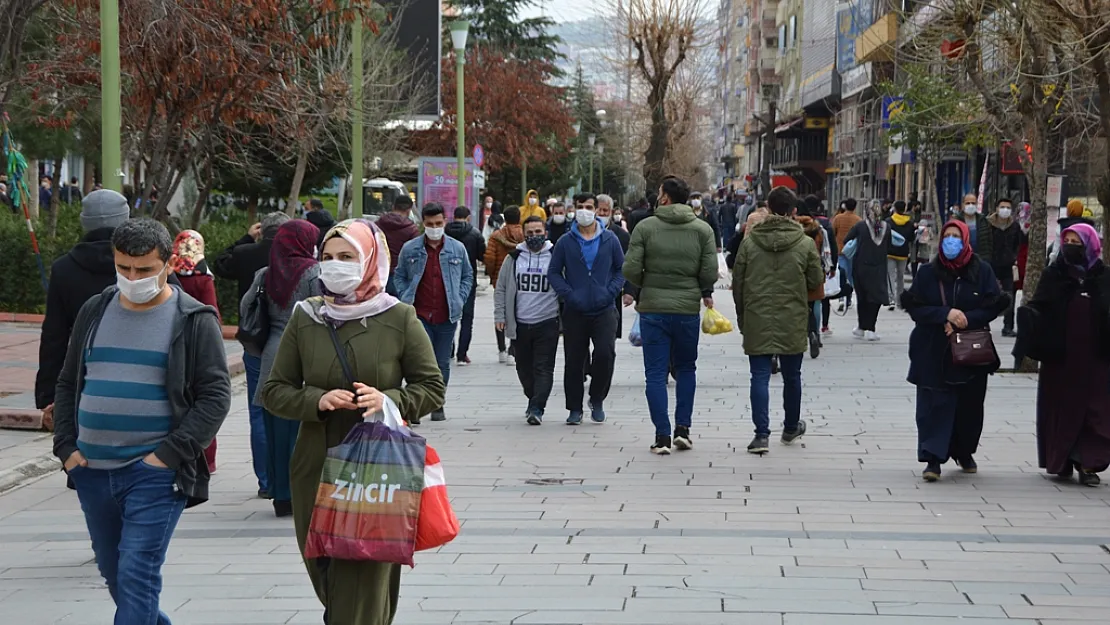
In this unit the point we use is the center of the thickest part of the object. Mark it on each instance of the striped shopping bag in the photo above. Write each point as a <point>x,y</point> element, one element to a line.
<point>369,500</point>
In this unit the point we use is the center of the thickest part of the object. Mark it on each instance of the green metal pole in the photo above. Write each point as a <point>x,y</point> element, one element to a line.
<point>591,170</point>
<point>460,108</point>
<point>111,167</point>
<point>356,116</point>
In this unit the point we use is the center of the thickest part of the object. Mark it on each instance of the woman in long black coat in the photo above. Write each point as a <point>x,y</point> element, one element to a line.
<point>869,273</point>
<point>1066,326</point>
<point>956,291</point>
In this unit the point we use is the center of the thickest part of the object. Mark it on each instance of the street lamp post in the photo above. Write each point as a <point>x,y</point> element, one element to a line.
<point>458,40</point>
<point>591,139</point>
<point>577,172</point>
<point>601,166</point>
<point>111,175</point>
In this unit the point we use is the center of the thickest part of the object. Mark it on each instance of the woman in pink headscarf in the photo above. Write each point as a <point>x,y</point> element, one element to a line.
<point>384,348</point>
<point>1066,327</point>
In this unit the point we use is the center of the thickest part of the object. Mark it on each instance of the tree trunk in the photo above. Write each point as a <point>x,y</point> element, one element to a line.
<point>656,153</point>
<point>55,200</point>
<point>298,179</point>
<point>252,209</point>
<point>202,197</point>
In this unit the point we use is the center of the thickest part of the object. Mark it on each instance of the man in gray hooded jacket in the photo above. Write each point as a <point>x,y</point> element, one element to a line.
<point>526,308</point>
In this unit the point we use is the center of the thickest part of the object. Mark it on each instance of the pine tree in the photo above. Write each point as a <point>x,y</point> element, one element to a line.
<point>495,24</point>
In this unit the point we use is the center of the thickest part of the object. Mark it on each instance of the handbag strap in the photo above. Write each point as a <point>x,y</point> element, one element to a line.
<point>341,353</point>
<point>943,297</point>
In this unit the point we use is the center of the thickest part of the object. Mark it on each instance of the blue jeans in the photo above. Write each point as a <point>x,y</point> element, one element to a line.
<point>670,340</point>
<point>252,364</point>
<point>442,335</point>
<point>791,367</point>
<point>131,514</point>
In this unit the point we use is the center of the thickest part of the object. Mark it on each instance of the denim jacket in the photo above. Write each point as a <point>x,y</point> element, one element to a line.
<point>454,264</point>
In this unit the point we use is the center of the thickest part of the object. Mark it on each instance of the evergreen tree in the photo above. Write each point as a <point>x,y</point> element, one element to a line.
<point>496,24</point>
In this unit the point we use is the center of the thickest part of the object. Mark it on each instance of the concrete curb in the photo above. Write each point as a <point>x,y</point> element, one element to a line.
<point>19,419</point>
<point>28,471</point>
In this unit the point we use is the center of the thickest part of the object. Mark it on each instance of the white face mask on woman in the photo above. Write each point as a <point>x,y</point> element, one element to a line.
<point>970,209</point>
<point>341,277</point>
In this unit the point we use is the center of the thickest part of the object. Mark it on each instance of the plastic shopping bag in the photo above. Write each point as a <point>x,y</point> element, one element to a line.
<point>832,286</point>
<point>634,334</point>
<point>437,524</point>
<point>722,267</point>
<point>369,500</point>
<point>713,322</point>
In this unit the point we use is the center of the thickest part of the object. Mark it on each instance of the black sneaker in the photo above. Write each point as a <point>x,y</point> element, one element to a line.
<point>814,344</point>
<point>682,438</point>
<point>1089,479</point>
<point>759,445</point>
<point>534,417</point>
<point>283,508</point>
<point>439,415</point>
<point>1009,333</point>
<point>597,412</point>
<point>931,472</point>
<point>662,446</point>
<point>798,432</point>
<point>575,417</point>
<point>967,464</point>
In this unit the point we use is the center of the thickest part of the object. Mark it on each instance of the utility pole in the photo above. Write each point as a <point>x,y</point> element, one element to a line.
<point>111,175</point>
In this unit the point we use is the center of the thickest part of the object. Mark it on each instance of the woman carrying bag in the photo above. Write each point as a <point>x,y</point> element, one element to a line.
<point>952,301</point>
<point>1066,326</point>
<point>869,269</point>
<point>389,355</point>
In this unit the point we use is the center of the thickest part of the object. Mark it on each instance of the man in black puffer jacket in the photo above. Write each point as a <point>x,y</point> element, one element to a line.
<point>462,231</point>
<point>85,271</point>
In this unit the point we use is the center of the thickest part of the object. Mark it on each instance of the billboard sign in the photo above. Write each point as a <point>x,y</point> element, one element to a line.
<point>852,19</point>
<point>438,181</point>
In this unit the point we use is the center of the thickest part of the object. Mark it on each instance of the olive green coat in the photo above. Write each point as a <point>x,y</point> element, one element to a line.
<point>672,258</point>
<point>389,349</point>
<point>776,267</point>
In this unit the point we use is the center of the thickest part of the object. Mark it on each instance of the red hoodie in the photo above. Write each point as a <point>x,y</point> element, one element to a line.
<point>398,230</point>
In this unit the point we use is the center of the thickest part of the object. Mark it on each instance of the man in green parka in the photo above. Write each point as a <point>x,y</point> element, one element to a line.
<point>776,269</point>
<point>672,259</point>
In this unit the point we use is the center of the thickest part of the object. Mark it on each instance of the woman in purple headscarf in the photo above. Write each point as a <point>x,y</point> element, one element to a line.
<point>1066,327</point>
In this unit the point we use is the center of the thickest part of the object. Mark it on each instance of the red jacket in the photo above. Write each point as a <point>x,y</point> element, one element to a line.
<point>398,229</point>
<point>202,287</point>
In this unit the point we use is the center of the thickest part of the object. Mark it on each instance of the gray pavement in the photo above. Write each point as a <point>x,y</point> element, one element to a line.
<point>583,525</point>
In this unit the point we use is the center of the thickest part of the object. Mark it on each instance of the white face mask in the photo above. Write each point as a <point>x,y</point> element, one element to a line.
<point>570,215</point>
<point>695,203</point>
<point>617,218</point>
<point>584,217</point>
<point>603,221</point>
<point>341,277</point>
<point>434,234</point>
<point>559,219</point>
<point>489,204</point>
<point>532,201</point>
<point>1005,212</point>
<point>970,209</point>
<point>142,290</point>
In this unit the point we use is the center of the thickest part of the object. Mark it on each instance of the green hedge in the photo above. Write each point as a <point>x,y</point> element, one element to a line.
<point>21,290</point>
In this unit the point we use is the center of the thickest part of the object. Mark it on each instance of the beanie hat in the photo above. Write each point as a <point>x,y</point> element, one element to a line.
<point>103,208</point>
<point>1075,208</point>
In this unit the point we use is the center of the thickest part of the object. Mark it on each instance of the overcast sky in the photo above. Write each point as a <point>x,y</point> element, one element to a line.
<point>563,10</point>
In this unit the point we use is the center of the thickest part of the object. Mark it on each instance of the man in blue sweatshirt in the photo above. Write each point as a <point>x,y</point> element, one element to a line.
<point>585,271</point>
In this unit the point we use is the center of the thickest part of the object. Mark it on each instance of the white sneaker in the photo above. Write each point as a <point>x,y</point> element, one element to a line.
<point>510,360</point>
<point>501,356</point>
<point>858,333</point>
<point>871,336</point>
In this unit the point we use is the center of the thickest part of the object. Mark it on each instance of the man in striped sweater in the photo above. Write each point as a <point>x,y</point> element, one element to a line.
<point>143,391</point>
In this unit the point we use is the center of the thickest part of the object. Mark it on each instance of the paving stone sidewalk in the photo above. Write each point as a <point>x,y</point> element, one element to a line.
<point>582,525</point>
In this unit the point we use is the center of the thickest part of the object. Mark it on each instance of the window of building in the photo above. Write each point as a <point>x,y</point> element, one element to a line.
<point>793,31</point>
<point>782,39</point>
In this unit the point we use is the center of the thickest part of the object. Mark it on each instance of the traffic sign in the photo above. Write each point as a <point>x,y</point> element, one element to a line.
<point>479,155</point>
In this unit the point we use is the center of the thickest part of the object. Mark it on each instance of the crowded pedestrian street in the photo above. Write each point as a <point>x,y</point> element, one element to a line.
<point>577,525</point>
